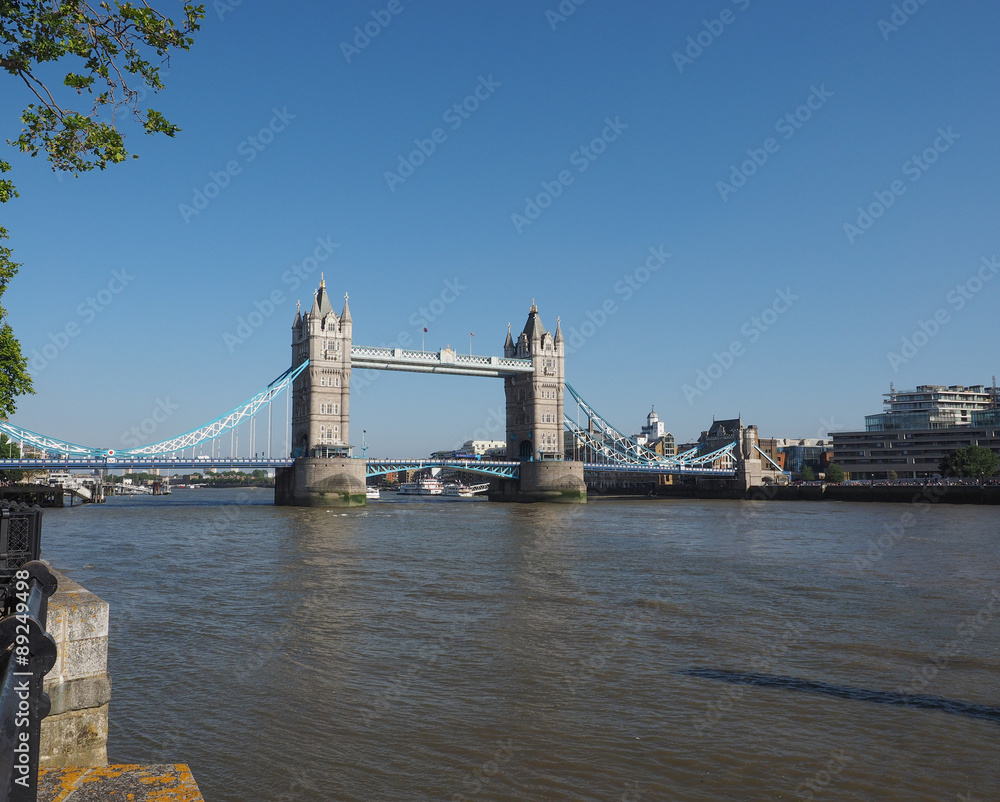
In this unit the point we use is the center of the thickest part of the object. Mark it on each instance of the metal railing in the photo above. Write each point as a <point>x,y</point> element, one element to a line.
<point>27,651</point>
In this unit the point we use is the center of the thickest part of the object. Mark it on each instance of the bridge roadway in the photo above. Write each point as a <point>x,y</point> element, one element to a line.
<point>375,466</point>
<point>365,357</point>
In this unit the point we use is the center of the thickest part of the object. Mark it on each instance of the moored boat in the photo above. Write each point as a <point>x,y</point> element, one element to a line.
<point>425,486</point>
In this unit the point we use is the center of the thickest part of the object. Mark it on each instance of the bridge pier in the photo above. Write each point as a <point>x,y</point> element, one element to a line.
<point>749,473</point>
<point>555,481</point>
<point>321,482</point>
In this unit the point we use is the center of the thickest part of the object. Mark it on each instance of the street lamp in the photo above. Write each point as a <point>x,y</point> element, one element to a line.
<point>364,445</point>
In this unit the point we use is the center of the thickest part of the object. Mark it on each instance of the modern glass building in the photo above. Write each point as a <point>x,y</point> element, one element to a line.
<point>919,429</point>
<point>932,406</point>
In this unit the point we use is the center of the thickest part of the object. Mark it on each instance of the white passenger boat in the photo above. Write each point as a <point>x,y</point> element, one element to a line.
<point>422,487</point>
<point>371,492</point>
<point>457,489</point>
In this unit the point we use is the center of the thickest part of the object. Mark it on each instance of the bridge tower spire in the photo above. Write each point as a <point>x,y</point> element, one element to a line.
<point>321,393</point>
<point>535,400</point>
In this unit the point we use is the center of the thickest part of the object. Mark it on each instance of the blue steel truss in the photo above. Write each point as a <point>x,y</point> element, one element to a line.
<point>503,468</point>
<point>616,451</point>
<point>61,450</point>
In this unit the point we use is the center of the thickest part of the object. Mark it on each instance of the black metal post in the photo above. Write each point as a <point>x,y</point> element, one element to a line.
<point>27,651</point>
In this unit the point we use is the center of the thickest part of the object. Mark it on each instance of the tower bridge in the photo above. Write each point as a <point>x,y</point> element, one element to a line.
<point>318,466</point>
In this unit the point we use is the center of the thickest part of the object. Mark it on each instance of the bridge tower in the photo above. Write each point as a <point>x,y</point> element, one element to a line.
<point>324,473</point>
<point>535,400</point>
<point>321,393</point>
<point>535,420</point>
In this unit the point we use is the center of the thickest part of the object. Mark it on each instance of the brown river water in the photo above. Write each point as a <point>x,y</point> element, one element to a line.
<point>620,650</point>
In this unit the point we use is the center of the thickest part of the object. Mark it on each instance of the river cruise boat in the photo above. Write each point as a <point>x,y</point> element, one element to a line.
<point>371,491</point>
<point>458,489</point>
<point>428,486</point>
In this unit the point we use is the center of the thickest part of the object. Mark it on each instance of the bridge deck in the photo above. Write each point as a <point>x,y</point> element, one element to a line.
<point>443,361</point>
<point>375,466</point>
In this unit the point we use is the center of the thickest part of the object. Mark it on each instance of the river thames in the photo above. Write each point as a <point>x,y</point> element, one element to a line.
<point>619,650</point>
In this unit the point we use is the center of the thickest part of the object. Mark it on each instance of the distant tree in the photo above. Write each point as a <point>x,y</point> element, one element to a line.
<point>808,474</point>
<point>114,46</point>
<point>14,377</point>
<point>972,461</point>
<point>10,450</point>
<point>834,473</point>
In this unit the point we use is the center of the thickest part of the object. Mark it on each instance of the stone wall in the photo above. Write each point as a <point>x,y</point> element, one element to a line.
<point>75,733</point>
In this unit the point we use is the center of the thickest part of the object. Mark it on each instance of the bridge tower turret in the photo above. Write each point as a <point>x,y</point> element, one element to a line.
<point>321,393</point>
<point>535,400</point>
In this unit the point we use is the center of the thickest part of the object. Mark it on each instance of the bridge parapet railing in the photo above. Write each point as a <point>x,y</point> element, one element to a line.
<point>367,350</point>
<point>470,359</point>
<point>423,356</point>
<point>508,362</point>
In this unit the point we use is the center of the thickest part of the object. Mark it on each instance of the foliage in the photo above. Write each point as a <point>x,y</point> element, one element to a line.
<point>891,475</point>
<point>14,378</point>
<point>973,461</point>
<point>808,474</point>
<point>10,450</point>
<point>258,478</point>
<point>834,473</point>
<point>112,49</point>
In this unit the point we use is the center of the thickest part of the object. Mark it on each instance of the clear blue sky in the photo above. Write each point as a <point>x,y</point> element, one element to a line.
<point>547,87</point>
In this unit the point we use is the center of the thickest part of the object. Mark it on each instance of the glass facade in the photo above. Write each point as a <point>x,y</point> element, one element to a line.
<point>986,417</point>
<point>891,421</point>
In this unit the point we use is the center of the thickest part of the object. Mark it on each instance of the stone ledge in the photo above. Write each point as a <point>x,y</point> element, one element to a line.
<point>78,694</point>
<point>75,738</point>
<point>125,783</point>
